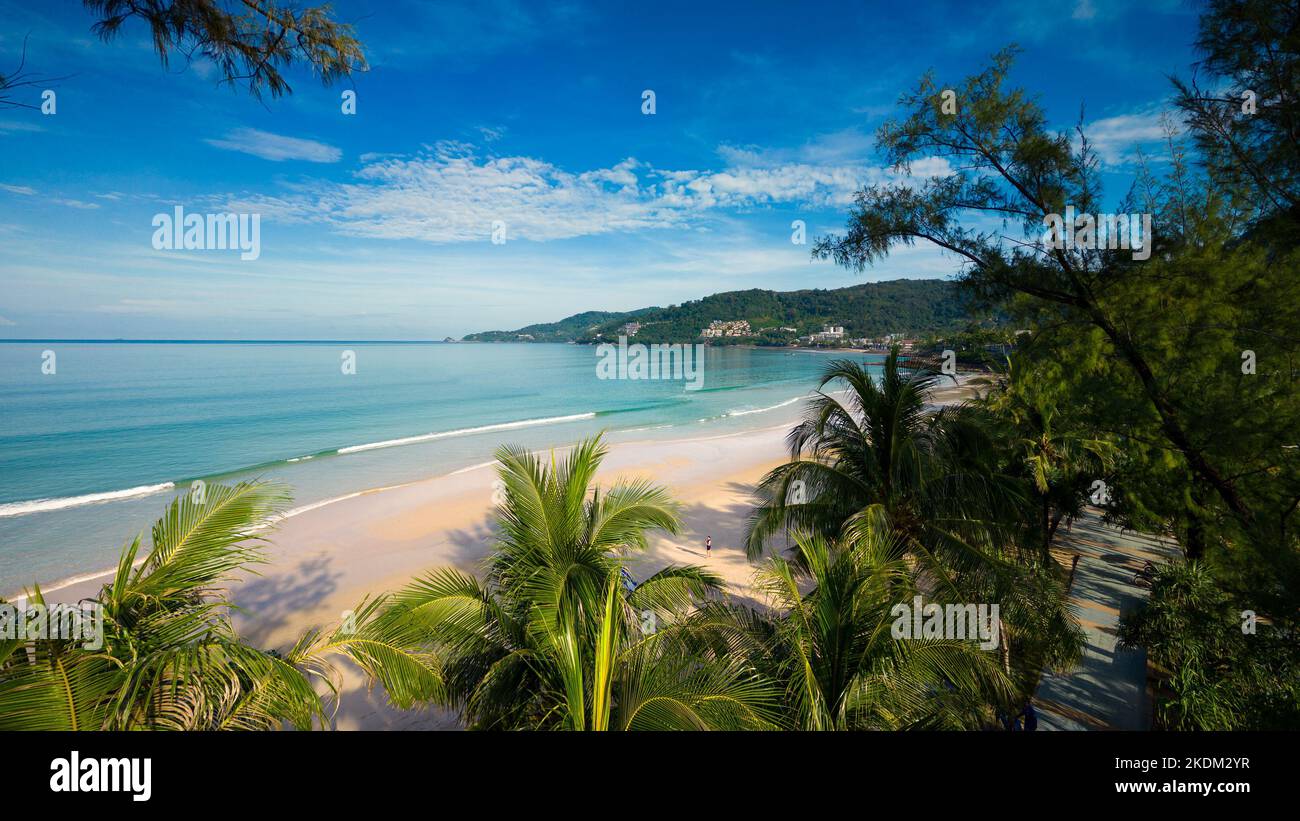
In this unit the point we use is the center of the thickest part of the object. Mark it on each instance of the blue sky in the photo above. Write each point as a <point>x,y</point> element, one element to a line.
<point>378,225</point>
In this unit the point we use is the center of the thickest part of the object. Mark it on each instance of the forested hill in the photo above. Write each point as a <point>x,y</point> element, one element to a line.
<point>913,307</point>
<point>566,330</point>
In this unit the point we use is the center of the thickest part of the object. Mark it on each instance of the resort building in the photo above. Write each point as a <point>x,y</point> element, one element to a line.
<point>829,333</point>
<point>720,327</point>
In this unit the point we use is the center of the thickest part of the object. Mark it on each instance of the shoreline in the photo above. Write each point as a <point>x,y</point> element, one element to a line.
<point>324,559</point>
<point>80,580</point>
<point>80,584</point>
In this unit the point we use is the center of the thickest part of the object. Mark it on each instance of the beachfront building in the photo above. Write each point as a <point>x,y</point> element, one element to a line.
<point>631,328</point>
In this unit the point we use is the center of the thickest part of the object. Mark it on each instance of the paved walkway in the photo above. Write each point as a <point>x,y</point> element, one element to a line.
<point>1107,691</point>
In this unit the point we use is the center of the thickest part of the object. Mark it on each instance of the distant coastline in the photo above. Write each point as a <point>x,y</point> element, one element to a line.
<point>123,426</point>
<point>69,341</point>
<point>764,318</point>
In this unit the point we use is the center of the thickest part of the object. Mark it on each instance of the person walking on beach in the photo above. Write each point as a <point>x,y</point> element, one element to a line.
<point>708,545</point>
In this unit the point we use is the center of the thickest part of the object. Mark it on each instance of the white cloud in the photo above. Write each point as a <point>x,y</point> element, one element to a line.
<point>849,146</point>
<point>6,322</point>
<point>28,191</point>
<point>1117,139</point>
<point>749,186</point>
<point>371,156</point>
<point>276,147</point>
<point>450,194</point>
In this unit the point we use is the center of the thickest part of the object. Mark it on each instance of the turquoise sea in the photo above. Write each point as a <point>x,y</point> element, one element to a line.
<point>91,453</point>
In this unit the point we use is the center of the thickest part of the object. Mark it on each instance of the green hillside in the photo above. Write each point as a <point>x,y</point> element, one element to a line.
<point>566,330</point>
<point>913,307</point>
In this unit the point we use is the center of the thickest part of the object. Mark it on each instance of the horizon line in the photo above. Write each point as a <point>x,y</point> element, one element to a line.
<point>105,341</point>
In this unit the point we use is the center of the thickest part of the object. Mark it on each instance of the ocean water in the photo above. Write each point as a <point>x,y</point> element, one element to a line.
<point>91,454</point>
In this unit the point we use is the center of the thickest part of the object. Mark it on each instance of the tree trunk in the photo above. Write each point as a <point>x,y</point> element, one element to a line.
<point>1056,523</point>
<point>1046,524</point>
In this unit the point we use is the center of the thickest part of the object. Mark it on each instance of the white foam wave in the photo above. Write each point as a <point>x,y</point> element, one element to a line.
<point>42,505</point>
<point>429,437</point>
<point>747,412</point>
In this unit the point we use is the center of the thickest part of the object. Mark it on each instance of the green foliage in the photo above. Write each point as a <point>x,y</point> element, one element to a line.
<point>1172,372</point>
<point>1043,441</point>
<point>827,640</point>
<point>1167,334</point>
<point>171,660</point>
<point>1217,676</point>
<point>879,452</point>
<point>978,346</point>
<point>879,461</point>
<point>255,45</point>
<point>555,639</point>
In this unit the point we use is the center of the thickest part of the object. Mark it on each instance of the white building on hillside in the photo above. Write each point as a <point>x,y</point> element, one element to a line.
<point>829,333</point>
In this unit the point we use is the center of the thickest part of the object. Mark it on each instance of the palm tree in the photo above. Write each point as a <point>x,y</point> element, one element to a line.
<point>880,457</point>
<point>170,658</point>
<point>557,636</point>
<point>1059,459</point>
<point>828,641</point>
<point>880,460</point>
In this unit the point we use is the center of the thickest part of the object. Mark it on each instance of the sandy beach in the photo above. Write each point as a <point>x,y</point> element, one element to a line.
<point>324,561</point>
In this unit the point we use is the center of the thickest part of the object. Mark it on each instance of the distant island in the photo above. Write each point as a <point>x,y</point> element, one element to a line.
<point>867,314</point>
